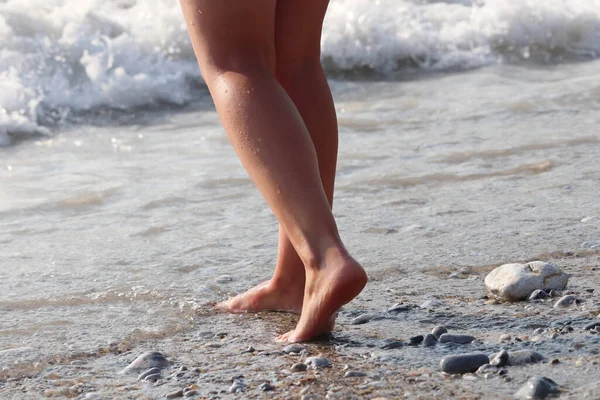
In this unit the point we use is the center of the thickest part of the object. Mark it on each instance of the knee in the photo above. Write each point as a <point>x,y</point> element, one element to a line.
<point>244,61</point>
<point>303,68</point>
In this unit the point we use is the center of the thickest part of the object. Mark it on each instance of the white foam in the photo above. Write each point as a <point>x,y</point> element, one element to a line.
<point>60,57</point>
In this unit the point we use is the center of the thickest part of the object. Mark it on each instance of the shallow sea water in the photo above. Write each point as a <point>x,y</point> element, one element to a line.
<point>127,232</point>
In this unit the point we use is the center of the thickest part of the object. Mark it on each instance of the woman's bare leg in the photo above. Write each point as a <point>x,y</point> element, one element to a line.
<point>234,43</point>
<point>298,25</point>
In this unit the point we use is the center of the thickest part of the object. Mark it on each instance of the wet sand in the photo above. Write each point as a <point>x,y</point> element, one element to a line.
<point>218,350</point>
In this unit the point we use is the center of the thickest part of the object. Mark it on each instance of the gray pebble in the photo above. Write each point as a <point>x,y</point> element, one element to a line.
<point>459,364</point>
<point>354,374</point>
<point>318,362</point>
<point>398,307</point>
<point>591,326</point>
<point>224,279</point>
<point>151,371</point>
<point>439,331</point>
<point>486,368</point>
<point>146,361</point>
<point>392,344</point>
<point>566,301</point>
<point>238,386</point>
<point>429,340</point>
<point>536,388</point>
<point>250,349</point>
<point>538,331</point>
<point>190,393</point>
<point>299,367</point>
<point>293,348</point>
<point>460,339</point>
<point>362,319</point>
<point>415,340</point>
<point>522,357</point>
<point>152,378</point>
<point>175,394</point>
<point>500,359</point>
<point>505,337</point>
<point>431,304</point>
<point>538,295</point>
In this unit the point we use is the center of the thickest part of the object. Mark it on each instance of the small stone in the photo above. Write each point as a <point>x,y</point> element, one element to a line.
<point>190,393</point>
<point>429,340</point>
<point>430,304</point>
<point>538,331</point>
<point>439,331</point>
<point>392,344</point>
<point>591,326</point>
<point>151,371</point>
<point>146,361</point>
<point>212,345</point>
<point>398,307</point>
<point>415,340</point>
<point>537,388</point>
<point>485,369</point>
<point>500,359</point>
<point>521,357</point>
<point>538,294</point>
<point>362,319</point>
<point>299,367</point>
<point>354,374</point>
<point>318,362</point>
<point>505,337</point>
<point>554,361</point>
<point>224,279</point>
<point>152,378</point>
<point>175,394</point>
<point>460,339</point>
<point>250,349</point>
<point>238,386</point>
<point>266,387</point>
<point>293,348</point>
<point>555,293</point>
<point>566,301</point>
<point>459,364</point>
<point>517,281</point>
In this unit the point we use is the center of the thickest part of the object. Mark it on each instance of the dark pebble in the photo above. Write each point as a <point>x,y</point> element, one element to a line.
<point>439,331</point>
<point>392,344</point>
<point>460,339</point>
<point>460,364</point>
<point>266,387</point>
<point>299,367</point>
<point>591,326</point>
<point>416,340</point>
<point>398,307</point>
<point>151,371</point>
<point>362,319</point>
<point>237,386</point>
<point>318,362</point>
<point>293,348</point>
<point>250,349</point>
<point>500,359</point>
<point>429,340</point>
<point>152,378</point>
<point>536,388</point>
<point>538,295</point>
<point>522,357</point>
<point>190,393</point>
<point>146,361</point>
<point>354,374</point>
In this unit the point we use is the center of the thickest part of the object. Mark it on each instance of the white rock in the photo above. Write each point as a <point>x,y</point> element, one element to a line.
<point>517,281</point>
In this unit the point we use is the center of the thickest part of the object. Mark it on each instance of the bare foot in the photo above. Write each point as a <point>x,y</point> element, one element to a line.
<point>268,296</point>
<point>327,289</point>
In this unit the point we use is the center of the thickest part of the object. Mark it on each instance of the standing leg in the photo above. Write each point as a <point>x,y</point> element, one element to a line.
<point>234,43</point>
<point>298,26</point>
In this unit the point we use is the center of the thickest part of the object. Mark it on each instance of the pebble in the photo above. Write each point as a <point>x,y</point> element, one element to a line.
<point>354,374</point>
<point>363,319</point>
<point>224,279</point>
<point>398,307</point>
<point>299,367</point>
<point>318,362</point>
<point>538,331</point>
<point>460,339</point>
<point>152,378</point>
<point>266,387</point>
<point>521,357</point>
<point>190,393</point>
<point>238,386</point>
<point>293,348</point>
<point>429,340</point>
<point>485,368</point>
<point>431,304</point>
<point>538,294</point>
<point>392,344</point>
<point>151,371</point>
<point>566,301</point>
<point>146,361</point>
<point>250,349</point>
<point>439,331</point>
<point>536,388</point>
<point>415,340</point>
<point>515,282</point>
<point>591,326</point>
<point>175,394</point>
<point>500,359</point>
<point>459,364</point>
<point>505,337</point>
